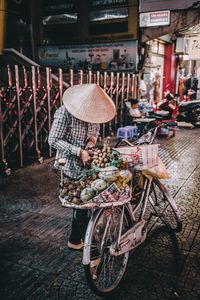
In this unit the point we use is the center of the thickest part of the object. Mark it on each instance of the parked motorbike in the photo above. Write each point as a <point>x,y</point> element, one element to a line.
<point>185,112</point>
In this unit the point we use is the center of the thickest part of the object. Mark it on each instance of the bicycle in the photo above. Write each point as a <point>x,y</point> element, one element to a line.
<point>114,231</point>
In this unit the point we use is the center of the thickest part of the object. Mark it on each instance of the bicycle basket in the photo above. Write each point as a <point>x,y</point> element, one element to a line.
<point>141,157</point>
<point>110,197</point>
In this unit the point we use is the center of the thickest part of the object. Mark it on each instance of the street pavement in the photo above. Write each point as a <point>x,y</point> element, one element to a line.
<point>36,264</point>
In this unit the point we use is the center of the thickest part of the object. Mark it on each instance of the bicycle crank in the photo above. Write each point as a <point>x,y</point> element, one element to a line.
<point>130,239</point>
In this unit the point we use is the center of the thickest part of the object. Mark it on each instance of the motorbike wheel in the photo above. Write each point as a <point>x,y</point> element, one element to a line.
<point>195,117</point>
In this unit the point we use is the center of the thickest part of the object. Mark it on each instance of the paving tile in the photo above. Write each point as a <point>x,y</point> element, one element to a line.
<point>36,265</point>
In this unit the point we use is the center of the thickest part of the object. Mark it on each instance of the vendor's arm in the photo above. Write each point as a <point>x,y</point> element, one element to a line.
<point>58,132</point>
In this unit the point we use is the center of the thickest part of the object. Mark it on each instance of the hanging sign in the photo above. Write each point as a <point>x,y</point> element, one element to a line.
<point>156,18</point>
<point>194,48</point>
<point>113,56</point>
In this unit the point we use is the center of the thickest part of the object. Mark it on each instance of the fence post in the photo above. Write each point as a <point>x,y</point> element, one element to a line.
<point>35,111</point>
<point>90,77</point>
<point>111,96</point>
<point>38,78</point>
<point>19,114</point>
<point>1,134</point>
<point>25,77</point>
<point>9,76</point>
<point>132,86</point>
<point>71,74</point>
<point>60,85</point>
<point>98,77</point>
<point>128,86</point>
<point>122,99</point>
<point>48,103</point>
<point>117,101</point>
<point>80,81</point>
<point>104,87</point>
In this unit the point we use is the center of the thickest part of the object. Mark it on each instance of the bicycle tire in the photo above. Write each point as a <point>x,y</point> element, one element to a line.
<point>111,268</point>
<point>164,206</point>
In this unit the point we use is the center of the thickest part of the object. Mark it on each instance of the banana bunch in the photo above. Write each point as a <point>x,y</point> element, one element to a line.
<point>124,178</point>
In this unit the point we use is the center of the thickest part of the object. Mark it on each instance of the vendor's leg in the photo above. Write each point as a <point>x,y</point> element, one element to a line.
<point>79,225</point>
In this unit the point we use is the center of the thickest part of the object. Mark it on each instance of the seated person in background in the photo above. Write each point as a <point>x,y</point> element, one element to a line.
<point>167,104</point>
<point>134,110</point>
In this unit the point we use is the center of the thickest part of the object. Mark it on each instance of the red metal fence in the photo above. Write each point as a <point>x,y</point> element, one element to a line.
<point>29,98</point>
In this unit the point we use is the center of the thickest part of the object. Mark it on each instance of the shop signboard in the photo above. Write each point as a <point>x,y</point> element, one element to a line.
<point>151,5</point>
<point>194,48</point>
<point>105,56</point>
<point>156,18</point>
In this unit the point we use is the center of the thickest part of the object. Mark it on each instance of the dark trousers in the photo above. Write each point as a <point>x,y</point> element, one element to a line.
<point>79,225</point>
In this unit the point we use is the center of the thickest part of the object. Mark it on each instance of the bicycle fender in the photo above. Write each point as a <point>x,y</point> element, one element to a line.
<point>90,227</point>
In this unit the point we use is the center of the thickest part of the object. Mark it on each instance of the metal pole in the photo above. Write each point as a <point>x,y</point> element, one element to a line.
<point>117,100</point>
<point>122,100</point>
<point>25,77</point>
<point>90,77</point>
<point>60,85</point>
<point>104,87</point>
<point>135,86</point>
<point>111,96</point>
<point>132,86</point>
<point>19,114</point>
<point>1,134</point>
<point>9,76</point>
<point>81,77</point>
<point>98,77</point>
<point>35,111</point>
<point>38,78</point>
<point>71,74</point>
<point>48,104</point>
<point>50,78</point>
<point>128,86</point>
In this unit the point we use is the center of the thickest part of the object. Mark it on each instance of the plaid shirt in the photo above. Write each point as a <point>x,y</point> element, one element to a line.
<point>69,135</point>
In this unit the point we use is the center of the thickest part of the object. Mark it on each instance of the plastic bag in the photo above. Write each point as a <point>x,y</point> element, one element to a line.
<point>159,171</point>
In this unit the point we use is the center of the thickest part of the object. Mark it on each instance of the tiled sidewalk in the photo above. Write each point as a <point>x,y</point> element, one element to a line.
<point>35,264</point>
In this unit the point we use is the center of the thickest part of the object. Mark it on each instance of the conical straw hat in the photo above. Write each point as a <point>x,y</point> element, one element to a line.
<point>89,103</point>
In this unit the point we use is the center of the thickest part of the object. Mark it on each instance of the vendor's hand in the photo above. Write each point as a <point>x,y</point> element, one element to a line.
<point>91,143</point>
<point>85,156</point>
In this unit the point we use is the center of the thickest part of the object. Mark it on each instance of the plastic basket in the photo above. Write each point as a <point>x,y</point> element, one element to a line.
<point>141,157</point>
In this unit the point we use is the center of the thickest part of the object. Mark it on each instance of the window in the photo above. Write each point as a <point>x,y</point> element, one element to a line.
<point>60,19</point>
<point>108,14</point>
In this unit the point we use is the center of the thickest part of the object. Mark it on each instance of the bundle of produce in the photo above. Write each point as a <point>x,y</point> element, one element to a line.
<point>101,157</point>
<point>106,181</point>
<point>71,190</point>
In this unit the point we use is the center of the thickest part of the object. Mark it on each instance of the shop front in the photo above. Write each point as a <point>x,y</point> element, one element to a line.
<point>154,71</point>
<point>188,74</point>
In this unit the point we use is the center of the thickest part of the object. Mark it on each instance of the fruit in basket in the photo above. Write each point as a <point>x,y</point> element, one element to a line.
<point>87,194</point>
<point>101,157</point>
<point>76,201</point>
<point>126,175</point>
<point>99,185</point>
<point>109,174</point>
<point>63,192</point>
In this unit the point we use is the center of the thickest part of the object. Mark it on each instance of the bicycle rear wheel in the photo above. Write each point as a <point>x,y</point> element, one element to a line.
<point>164,206</point>
<point>105,272</point>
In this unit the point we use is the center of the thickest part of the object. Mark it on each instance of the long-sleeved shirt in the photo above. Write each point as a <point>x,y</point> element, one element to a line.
<point>68,136</point>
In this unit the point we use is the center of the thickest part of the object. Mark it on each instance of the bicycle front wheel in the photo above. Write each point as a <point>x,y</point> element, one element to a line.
<point>164,206</point>
<point>105,272</point>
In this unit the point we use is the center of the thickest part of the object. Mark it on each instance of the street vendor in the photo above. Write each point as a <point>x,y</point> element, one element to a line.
<point>134,109</point>
<point>75,129</point>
